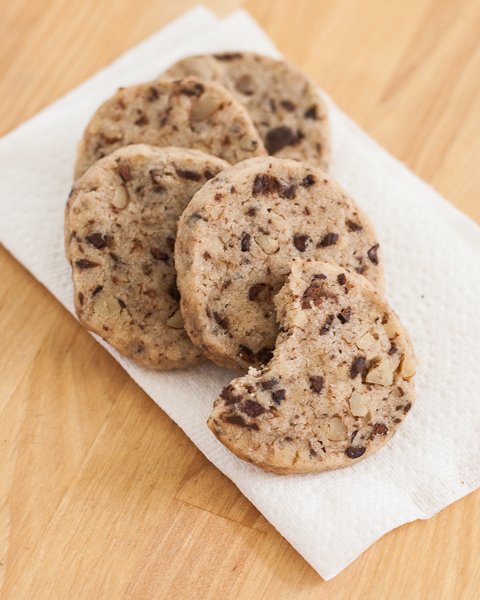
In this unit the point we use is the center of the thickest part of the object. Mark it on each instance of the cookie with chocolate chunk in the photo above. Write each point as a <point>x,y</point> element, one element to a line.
<point>186,113</point>
<point>120,230</point>
<point>339,385</point>
<point>283,103</point>
<point>236,241</point>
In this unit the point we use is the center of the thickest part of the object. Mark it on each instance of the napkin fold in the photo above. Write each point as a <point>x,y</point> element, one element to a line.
<point>432,254</point>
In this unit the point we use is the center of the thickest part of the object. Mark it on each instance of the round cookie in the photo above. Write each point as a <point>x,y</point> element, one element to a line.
<point>236,241</point>
<point>338,387</point>
<point>186,113</point>
<point>283,103</point>
<point>120,230</point>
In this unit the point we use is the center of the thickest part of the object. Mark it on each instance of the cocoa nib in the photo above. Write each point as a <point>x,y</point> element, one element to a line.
<point>379,429</point>
<point>358,364</point>
<point>252,408</point>
<point>264,355</point>
<point>317,383</point>
<point>246,354</point>
<point>227,56</point>
<point>268,384</point>
<point>329,240</point>
<point>360,270</point>
<point>392,350</point>
<point>355,452</point>
<point>345,315</point>
<point>208,175</point>
<point>229,396</point>
<point>191,175</point>
<point>300,242</point>
<point>236,420</point>
<point>156,253</point>
<point>288,106</point>
<point>259,293</point>
<point>266,184</point>
<point>311,113</point>
<point>280,137</point>
<point>222,321</point>
<point>97,239</point>
<point>84,264</point>
<point>80,298</point>
<point>407,407</point>
<point>289,192</point>
<point>326,326</point>
<point>196,217</point>
<point>124,172</point>
<point>352,226</point>
<point>342,279</point>
<point>97,290</point>
<point>372,254</point>
<point>142,121</point>
<point>170,243</point>
<point>196,90</point>
<point>308,180</point>
<point>246,242</point>
<point>278,396</point>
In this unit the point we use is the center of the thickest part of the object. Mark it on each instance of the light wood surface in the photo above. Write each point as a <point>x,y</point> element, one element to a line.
<point>101,495</point>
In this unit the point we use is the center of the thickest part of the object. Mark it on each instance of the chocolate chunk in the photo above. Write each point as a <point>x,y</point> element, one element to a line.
<point>236,420</point>
<point>358,364</point>
<point>246,242</point>
<point>97,239</point>
<point>206,256</point>
<point>397,420</point>
<point>288,106</point>
<point>326,326</point>
<point>392,350</point>
<point>253,426</point>
<point>142,121</point>
<point>278,396</point>
<point>246,354</point>
<point>300,242</point>
<point>84,264</point>
<point>331,296</point>
<point>259,293</point>
<point>311,113</point>
<point>156,253</point>
<point>190,175</point>
<point>379,429</point>
<point>222,321</point>
<point>278,138</point>
<point>308,180</point>
<point>170,243</point>
<point>227,56</point>
<point>97,290</point>
<point>345,315</point>
<point>113,256</point>
<point>329,240</point>
<point>289,192</point>
<point>251,212</point>
<point>352,226</point>
<point>355,451</point>
<point>80,298</point>
<point>372,254</point>
<point>196,217</point>
<point>174,293</point>
<point>407,407</point>
<point>229,396</point>
<point>268,384</point>
<point>264,355</point>
<point>266,184</point>
<point>360,270</point>
<point>342,279</point>
<point>208,175</point>
<point>124,172</point>
<point>317,383</point>
<point>252,408</point>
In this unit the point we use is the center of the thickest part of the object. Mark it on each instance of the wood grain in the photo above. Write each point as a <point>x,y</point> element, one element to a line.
<point>101,495</point>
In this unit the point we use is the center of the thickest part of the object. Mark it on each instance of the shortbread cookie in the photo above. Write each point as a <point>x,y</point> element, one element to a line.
<point>338,387</point>
<point>236,241</point>
<point>121,224</point>
<point>187,113</point>
<point>283,103</point>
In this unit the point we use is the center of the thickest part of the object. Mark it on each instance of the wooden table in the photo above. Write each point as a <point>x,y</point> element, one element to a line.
<point>102,496</point>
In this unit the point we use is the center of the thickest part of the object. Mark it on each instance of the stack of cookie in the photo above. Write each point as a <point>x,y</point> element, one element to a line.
<point>202,224</point>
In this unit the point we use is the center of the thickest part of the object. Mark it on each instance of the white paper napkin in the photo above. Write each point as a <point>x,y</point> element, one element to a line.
<point>432,253</point>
